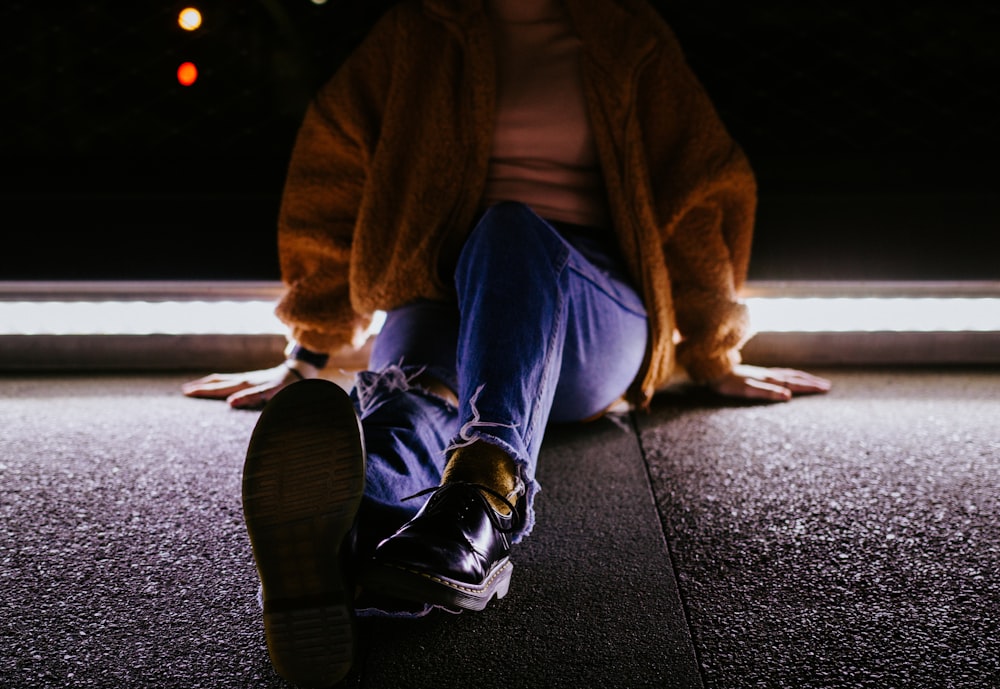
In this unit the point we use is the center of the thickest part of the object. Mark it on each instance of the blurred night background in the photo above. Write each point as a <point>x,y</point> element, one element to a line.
<point>872,127</point>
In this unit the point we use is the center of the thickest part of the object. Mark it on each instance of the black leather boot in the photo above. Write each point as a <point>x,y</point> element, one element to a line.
<point>302,485</point>
<point>454,553</point>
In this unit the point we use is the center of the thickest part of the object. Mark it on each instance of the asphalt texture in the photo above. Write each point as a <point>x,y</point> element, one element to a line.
<point>844,540</point>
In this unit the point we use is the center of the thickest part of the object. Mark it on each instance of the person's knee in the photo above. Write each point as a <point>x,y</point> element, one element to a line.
<point>507,224</point>
<point>509,212</point>
<point>508,233</point>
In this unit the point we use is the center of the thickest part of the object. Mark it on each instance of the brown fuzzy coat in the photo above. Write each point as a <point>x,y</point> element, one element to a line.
<point>390,163</point>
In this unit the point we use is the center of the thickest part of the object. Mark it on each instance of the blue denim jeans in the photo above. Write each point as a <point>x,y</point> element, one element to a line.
<point>546,327</point>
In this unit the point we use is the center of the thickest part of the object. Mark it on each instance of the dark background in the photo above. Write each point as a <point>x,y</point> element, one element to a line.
<point>872,127</point>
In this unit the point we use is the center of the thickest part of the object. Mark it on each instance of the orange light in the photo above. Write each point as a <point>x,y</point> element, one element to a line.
<point>189,19</point>
<point>187,74</point>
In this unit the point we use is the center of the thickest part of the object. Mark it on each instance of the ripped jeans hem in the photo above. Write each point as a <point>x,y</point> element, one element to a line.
<point>531,486</point>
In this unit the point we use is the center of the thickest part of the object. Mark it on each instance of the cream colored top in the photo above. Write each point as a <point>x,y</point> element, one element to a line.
<point>543,149</point>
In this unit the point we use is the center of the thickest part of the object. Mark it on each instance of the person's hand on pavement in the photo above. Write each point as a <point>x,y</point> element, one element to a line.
<point>249,390</point>
<point>775,384</point>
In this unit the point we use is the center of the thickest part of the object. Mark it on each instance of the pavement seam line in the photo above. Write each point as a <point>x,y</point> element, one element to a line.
<point>668,548</point>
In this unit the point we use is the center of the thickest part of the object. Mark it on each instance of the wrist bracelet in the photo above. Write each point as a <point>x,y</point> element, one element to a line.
<point>300,353</point>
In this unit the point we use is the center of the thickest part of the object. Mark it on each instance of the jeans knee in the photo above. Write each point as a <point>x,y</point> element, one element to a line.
<point>510,235</point>
<point>509,211</point>
<point>508,225</point>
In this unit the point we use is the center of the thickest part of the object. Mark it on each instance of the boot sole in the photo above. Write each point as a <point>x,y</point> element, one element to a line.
<point>302,485</point>
<point>432,589</point>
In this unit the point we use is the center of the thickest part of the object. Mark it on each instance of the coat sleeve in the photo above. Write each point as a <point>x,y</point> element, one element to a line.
<point>707,256</point>
<point>706,199</point>
<point>323,190</point>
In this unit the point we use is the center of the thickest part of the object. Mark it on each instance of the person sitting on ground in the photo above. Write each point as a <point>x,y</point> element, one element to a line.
<point>542,199</point>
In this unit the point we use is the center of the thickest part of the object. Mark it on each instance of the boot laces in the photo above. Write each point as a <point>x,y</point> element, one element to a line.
<point>494,517</point>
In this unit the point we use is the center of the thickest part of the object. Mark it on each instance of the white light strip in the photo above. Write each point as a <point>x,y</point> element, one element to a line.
<point>256,317</point>
<point>870,314</point>
<point>143,318</point>
<point>138,318</point>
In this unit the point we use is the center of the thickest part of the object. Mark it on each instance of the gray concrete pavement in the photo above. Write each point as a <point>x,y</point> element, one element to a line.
<point>848,540</point>
<point>851,540</point>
